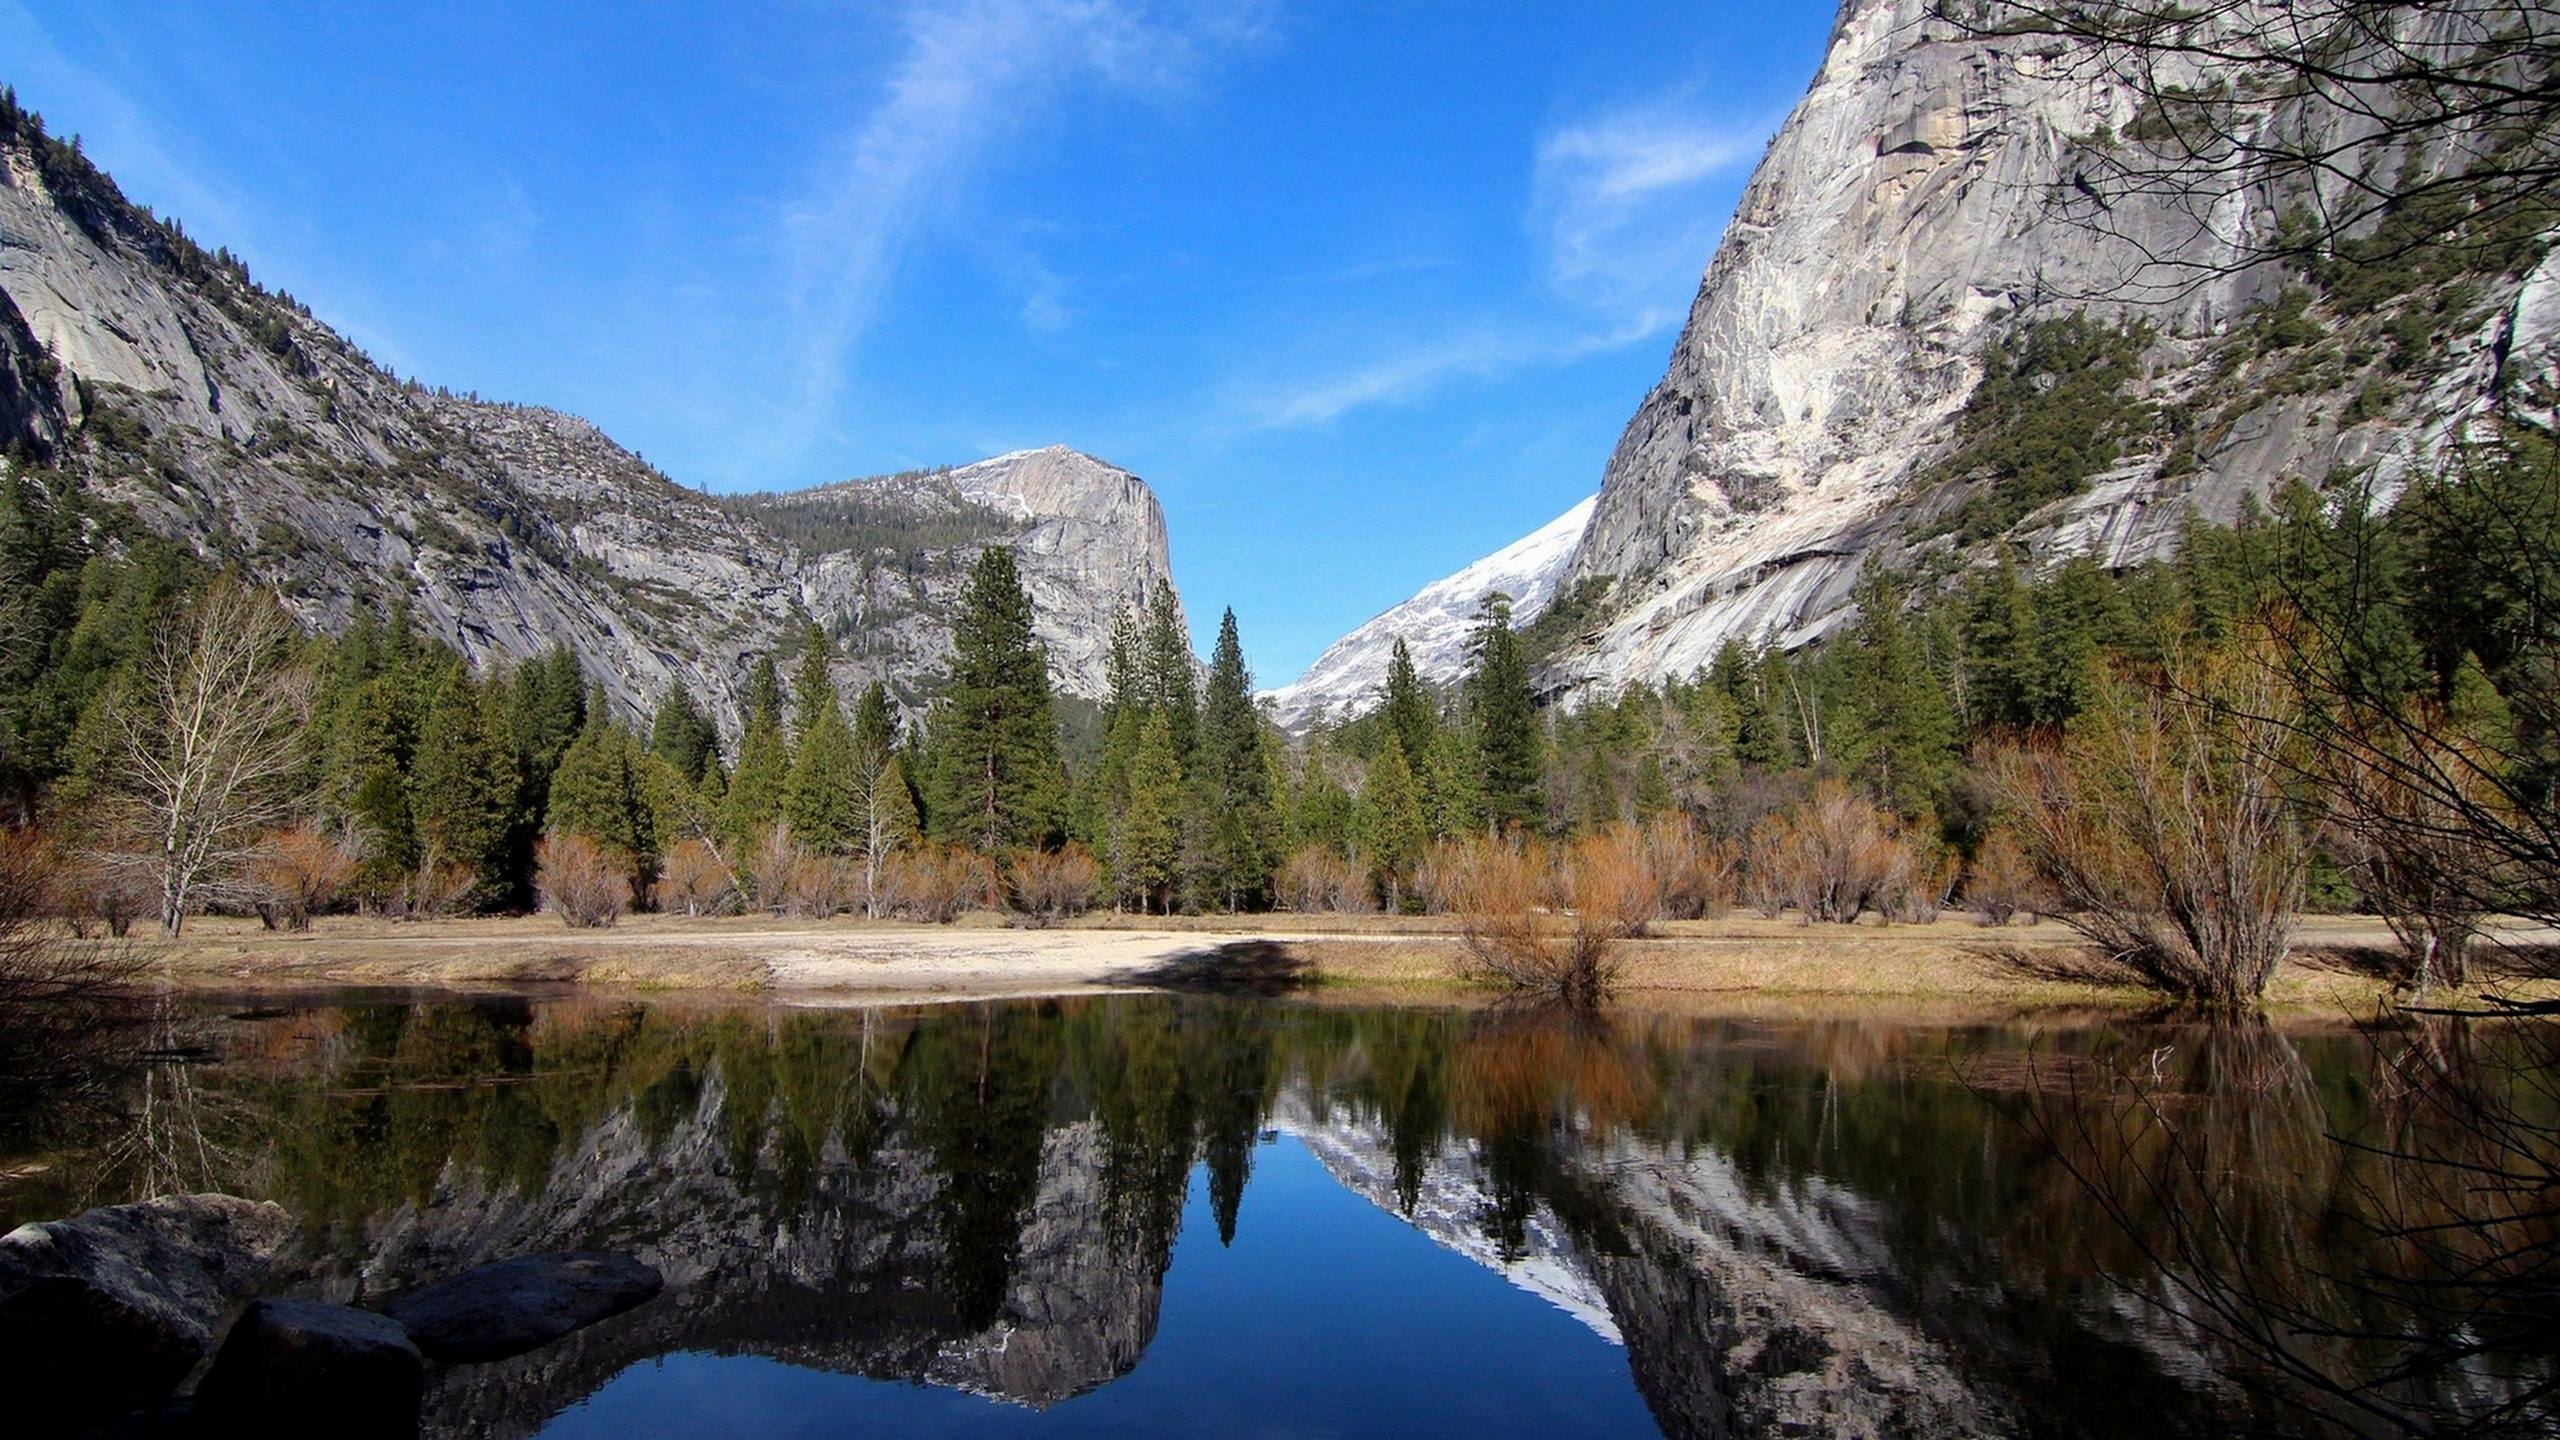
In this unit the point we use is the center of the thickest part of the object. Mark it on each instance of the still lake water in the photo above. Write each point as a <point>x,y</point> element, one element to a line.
<point>1162,1215</point>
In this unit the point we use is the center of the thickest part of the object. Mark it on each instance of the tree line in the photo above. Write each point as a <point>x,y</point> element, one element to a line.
<point>1927,752</point>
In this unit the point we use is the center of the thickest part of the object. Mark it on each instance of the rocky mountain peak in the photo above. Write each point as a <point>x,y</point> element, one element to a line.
<point>1925,218</point>
<point>228,418</point>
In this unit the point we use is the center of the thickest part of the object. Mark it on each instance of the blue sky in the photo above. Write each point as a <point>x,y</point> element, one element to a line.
<point>1364,290</point>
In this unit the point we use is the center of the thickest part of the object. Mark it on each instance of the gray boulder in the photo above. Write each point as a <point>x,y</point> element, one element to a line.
<point>297,1367</point>
<point>508,1307</point>
<point>107,1312</point>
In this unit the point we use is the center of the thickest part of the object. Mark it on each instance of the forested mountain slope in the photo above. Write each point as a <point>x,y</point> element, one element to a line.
<point>228,418</point>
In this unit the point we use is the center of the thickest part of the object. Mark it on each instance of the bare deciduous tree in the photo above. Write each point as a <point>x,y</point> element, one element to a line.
<point>2397,820</point>
<point>208,745</point>
<point>695,879</point>
<point>886,816</point>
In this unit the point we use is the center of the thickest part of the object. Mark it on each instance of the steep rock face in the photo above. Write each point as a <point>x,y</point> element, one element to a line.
<point>1344,681</point>
<point>1089,538</point>
<point>229,419</point>
<point>1741,1313</point>
<point>847,1276</point>
<point>1926,199</point>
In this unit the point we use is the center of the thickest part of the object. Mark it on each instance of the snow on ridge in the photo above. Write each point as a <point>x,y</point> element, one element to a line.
<point>1453,1194</point>
<point>1345,679</point>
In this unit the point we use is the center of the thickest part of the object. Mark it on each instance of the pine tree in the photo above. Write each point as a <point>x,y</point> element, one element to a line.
<point>1504,717</point>
<point>757,784</point>
<point>1001,783</point>
<point>1146,859</point>
<point>600,791</point>
<point>1408,712</point>
<point>1760,740</point>
<point>1321,812</point>
<point>1109,788</point>
<point>814,687</point>
<point>1452,795</point>
<point>683,735</point>
<point>1237,777</point>
<point>1897,700</point>
<point>1168,675</point>
<point>1998,620</point>
<point>680,808</point>
<point>1126,667</point>
<point>875,724</point>
<point>463,794</point>
<point>1392,829</point>
<point>820,796</point>
<point>551,711</point>
<point>764,690</point>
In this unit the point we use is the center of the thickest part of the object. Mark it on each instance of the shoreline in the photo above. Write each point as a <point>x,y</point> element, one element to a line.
<point>1737,961</point>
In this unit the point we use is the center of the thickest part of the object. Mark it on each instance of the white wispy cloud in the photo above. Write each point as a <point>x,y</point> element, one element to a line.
<point>1621,200</point>
<point>1412,371</point>
<point>1623,214</point>
<point>972,74</point>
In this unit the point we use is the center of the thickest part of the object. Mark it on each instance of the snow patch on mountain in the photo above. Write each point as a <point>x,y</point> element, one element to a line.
<point>1345,679</point>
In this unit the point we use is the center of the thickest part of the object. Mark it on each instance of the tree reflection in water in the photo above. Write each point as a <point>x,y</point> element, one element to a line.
<point>1851,1226</point>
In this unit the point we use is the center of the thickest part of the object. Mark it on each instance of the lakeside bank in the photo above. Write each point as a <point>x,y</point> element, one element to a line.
<point>2340,963</point>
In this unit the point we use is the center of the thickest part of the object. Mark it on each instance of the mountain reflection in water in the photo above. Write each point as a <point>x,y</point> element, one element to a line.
<point>1302,1217</point>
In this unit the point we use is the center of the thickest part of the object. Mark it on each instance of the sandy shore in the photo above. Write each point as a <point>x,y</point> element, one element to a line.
<point>1733,960</point>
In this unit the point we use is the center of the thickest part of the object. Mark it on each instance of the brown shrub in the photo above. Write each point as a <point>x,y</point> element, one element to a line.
<point>1497,888</point>
<point>1051,885</point>
<point>103,892</point>
<point>773,858</point>
<point>298,872</point>
<point>585,883</point>
<point>2162,828</point>
<point>1441,878</point>
<point>821,887</point>
<point>1697,870</point>
<point>1917,892</point>
<point>1836,856</point>
<point>1609,879</point>
<point>2415,809</point>
<point>435,890</point>
<point>694,879</point>
<point>2001,883</point>
<point>1317,879</point>
<point>63,1000</point>
<point>934,883</point>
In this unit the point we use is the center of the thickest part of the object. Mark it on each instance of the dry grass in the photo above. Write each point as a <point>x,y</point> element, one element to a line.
<point>1740,961</point>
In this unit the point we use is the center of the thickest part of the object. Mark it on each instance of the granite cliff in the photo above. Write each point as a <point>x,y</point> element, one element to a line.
<point>1923,293</point>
